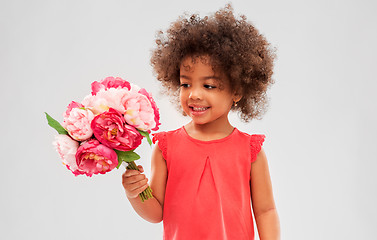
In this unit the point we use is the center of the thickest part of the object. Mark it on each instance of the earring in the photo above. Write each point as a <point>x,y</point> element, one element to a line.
<point>235,104</point>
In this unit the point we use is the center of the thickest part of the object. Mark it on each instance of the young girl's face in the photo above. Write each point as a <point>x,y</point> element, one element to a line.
<point>205,95</point>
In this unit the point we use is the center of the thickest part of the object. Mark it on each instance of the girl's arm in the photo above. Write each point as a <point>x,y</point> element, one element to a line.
<point>265,213</point>
<point>134,183</point>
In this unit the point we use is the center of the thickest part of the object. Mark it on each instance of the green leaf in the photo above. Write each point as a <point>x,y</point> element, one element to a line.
<point>119,163</point>
<point>146,134</point>
<point>55,125</point>
<point>128,156</point>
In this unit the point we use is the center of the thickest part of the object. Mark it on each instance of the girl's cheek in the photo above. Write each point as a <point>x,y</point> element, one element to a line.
<point>182,102</point>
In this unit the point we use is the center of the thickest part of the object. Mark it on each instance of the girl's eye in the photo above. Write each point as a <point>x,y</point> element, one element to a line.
<point>209,86</point>
<point>185,85</point>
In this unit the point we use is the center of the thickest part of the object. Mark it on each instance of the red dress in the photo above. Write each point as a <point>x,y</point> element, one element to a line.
<point>208,187</point>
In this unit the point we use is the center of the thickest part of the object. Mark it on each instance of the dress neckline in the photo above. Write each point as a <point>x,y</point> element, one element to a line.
<point>209,141</point>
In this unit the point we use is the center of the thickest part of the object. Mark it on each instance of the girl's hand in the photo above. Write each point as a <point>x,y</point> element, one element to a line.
<point>134,182</point>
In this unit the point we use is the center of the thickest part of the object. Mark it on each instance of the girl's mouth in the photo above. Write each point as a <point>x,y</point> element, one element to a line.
<point>199,109</point>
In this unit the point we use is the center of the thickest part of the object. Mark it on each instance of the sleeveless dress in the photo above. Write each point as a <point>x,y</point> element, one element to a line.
<point>208,186</point>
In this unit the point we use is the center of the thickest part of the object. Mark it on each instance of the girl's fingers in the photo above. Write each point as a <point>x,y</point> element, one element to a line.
<point>137,185</point>
<point>130,172</point>
<point>134,182</point>
<point>137,190</point>
<point>133,179</point>
<point>141,189</point>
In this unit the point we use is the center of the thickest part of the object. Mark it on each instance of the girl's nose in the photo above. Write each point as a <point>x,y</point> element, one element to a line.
<point>195,94</point>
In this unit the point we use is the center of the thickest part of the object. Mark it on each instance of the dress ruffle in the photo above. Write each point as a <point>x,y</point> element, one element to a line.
<point>256,142</point>
<point>161,139</point>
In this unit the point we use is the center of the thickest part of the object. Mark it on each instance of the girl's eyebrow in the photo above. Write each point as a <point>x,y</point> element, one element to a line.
<point>184,76</point>
<point>211,77</point>
<point>203,78</point>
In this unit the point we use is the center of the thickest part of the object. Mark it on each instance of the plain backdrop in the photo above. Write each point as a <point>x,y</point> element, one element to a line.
<point>320,125</point>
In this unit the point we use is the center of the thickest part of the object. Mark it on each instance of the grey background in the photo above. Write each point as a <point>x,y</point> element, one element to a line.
<point>320,126</point>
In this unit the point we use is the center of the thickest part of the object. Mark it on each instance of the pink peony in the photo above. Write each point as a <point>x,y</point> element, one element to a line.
<point>67,148</point>
<point>110,129</point>
<point>110,82</point>
<point>77,122</point>
<point>139,111</point>
<point>154,106</point>
<point>93,158</point>
<point>72,105</point>
<point>105,99</point>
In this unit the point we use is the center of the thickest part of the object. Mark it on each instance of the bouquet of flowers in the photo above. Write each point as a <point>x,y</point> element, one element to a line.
<point>103,130</point>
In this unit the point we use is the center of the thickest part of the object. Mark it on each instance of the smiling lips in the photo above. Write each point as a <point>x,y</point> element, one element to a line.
<point>198,110</point>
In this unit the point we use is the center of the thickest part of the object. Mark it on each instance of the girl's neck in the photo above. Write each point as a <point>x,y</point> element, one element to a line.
<point>208,132</point>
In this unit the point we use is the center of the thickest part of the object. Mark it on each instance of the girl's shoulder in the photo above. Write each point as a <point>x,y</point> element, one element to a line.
<point>255,143</point>
<point>255,137</point>
<point>161,139</point>
<point>159,135</point>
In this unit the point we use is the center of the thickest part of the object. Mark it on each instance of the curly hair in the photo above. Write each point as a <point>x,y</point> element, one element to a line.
<point>234,46</point>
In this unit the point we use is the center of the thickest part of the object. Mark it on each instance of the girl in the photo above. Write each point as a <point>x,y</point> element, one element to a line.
<point>206,174</point>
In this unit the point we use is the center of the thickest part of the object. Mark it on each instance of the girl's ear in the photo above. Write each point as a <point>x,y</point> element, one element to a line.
<point>237,97</point>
